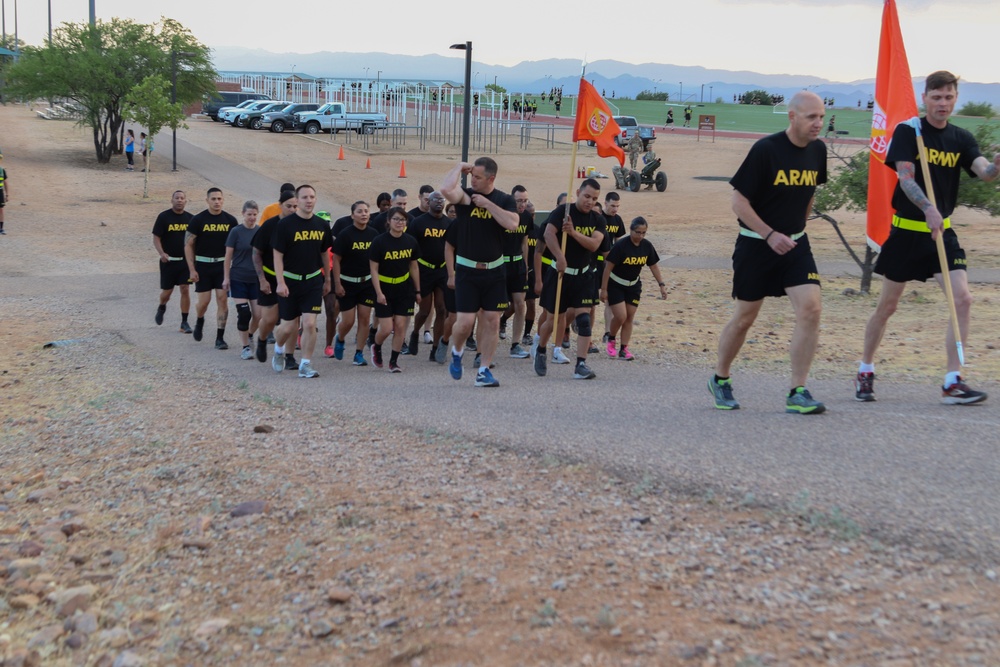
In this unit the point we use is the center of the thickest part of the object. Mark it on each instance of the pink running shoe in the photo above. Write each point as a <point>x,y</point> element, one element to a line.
<point>625,354</point>
<point>612,352</point>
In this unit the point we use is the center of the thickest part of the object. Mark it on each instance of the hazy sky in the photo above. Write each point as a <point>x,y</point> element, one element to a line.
<point>834,39</point>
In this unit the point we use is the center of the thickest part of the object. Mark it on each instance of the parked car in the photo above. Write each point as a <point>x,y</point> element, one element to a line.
<point>279,121</point>
<point>219,100</point>
<point>630,126</point>
<point>223,110</point>
<point>232,115</point>
<point>334,117</point>
<point>251,119</point>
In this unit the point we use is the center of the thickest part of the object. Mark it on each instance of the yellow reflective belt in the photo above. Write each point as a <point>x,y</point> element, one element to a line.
<point>754,235</point>
<point>916,225</point>
<point>299,276</point>
<point>394,281</point>
<point>622,281</point>
<point>431,266</point>
<point>269,271</point>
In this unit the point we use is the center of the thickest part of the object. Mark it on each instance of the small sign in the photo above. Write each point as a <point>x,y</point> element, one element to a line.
<point>706,123</point>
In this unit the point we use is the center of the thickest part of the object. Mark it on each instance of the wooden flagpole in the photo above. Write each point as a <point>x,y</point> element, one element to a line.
<point>942,255</point>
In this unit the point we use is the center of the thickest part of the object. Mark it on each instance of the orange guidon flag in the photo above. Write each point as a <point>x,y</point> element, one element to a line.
<point>594,123</point>
<point>894,104</point>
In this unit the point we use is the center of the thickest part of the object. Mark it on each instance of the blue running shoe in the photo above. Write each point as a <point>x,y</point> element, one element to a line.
<point>455,367</point>
<point>486,379</point>
<point>338,349</point>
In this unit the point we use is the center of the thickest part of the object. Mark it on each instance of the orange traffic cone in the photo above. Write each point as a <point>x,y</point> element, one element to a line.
<point>402,168</point>
<point>368,164</point>
<point>340,156</point>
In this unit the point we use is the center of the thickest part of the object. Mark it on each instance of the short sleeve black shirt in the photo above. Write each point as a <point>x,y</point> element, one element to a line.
<point>352,246</point>
<point>302,242</point>
<point>262,241</point>
<point>429,233</point>
<point>211,232</point>
<point>393,255</point>
<point>512,239</point>
<point>577,257</point>
<point>949,150</point>
<point>779,179</point>
<point>474,234</point>
<point>629,258</point>
<point>171,227</point>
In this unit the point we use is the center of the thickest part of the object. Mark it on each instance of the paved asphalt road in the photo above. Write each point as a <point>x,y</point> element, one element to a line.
<point>906,468</point>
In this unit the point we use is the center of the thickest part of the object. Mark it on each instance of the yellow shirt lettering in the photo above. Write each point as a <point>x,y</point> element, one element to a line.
<point>481,213</point>
<point>360,245</point>
<point>177,228</point>
<point>635,261</point>
<point>796,177</point>
<point>308,235</point>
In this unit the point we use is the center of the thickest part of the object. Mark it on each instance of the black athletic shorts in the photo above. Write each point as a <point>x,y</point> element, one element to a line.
<point>517,277</point>
<point>618,293</point>
<point>477,289</point>
<point>174,273</point>
<point>399,300</point>
<point>530,294</point>
<point>449,299</point>
<point>907,255</point>
<point>268,300</point>
<point>577,291</point>
<point>239,289</point>
<point>210,276</point>
<point>758,271</point>
<point>304,297</point>
<point>356,294</point>
<point>431,279</point>
<point>597,273</point>
<point>3,197</point>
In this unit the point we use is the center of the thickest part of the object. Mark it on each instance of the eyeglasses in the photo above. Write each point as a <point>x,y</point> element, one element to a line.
<point>397,219</point>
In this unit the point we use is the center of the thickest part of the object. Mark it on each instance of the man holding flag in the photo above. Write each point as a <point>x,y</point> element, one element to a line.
<point>909,253</point>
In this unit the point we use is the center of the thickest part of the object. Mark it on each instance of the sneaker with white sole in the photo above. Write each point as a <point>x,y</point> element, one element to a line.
<point>307,371</point>
<point>559,357</point>
<point>486,379</point>
<point>441,351</point>
<point>247,353</point>
<point>359,359</point>
<point>540,363</point>
<point>518,352</point>
<point>427,337</point>
<point>278,362</point>
<point>961,394</point>
<point>583,372</point>
<point>864,387</point>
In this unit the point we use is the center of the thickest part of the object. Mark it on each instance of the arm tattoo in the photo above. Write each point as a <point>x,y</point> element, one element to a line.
<point>991,171</point>
<point>189,237</point>
<point>908,183</point>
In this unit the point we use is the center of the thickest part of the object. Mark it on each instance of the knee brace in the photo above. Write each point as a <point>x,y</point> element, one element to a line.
<point>583,325</point>
<point>243,316</point>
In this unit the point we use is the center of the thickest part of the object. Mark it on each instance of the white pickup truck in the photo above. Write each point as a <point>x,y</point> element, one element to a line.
<point>333,117</point>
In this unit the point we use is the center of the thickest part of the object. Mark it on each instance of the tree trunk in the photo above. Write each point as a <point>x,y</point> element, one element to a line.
<point>867,269</point>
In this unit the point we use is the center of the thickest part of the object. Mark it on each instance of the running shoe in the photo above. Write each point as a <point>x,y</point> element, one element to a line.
<point>540,368</point>
<point>338,349</point>
<point>486,379</point>
<point>404,350</point>
<point>455,367</point>
<point>371,337</point>
<point>376,356</point>
<point>526,341</point>
<point>394,367</point>
<point>246,353</point>
<point>565,342</point>
<point>612,352</point>
<point>427,337</point>
<point>503,331</point>
<point>199,328</point>
<point>440,354</point>
<point>471,344</point>
<point>478,361</point>
<point>960,394</point>
<point>558,357</point>
<point>261,350</point>
<point>270,338</point>
<point>864,387</point>
<point>583,372</point>
<point>433,355</point>
<point>159,315</point>
<point>625,354</point>
<point>606,337</point>
<point>723,393</point>
<point>533,350</point>
<point>800,401</point>
<point>221,345</point>
<point>518,352</point>
<point>290,363</point>
<point>277,363</point>
<point>592,349</point>
<point>359,359</point>
<point>307,371</point>
<point>185,328</point>
<point>414,343</point>
<point>328,351</point>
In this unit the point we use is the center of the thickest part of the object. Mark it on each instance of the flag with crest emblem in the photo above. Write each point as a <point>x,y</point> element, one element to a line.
<point>595,123</point>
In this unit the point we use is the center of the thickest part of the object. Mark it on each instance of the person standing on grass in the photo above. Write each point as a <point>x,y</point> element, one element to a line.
<point>169,232</point>
<point>621,288</point>
<point>240,277</point>
<point>773,191</point>
<point>910,252</point>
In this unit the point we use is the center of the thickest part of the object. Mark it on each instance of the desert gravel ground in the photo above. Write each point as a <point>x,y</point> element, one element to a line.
<point>166,504</point>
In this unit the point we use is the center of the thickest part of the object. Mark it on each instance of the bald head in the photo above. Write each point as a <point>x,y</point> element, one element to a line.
<point>802,99</point>
<point>805,117</point>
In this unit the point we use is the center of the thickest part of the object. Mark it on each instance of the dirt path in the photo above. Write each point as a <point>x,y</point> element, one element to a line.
<point>378,539</point>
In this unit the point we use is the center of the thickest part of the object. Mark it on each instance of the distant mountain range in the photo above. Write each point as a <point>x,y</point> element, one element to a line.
<point>683,82</point>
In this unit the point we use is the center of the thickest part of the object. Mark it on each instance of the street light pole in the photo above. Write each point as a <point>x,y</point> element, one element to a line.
<point>467,102</point>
